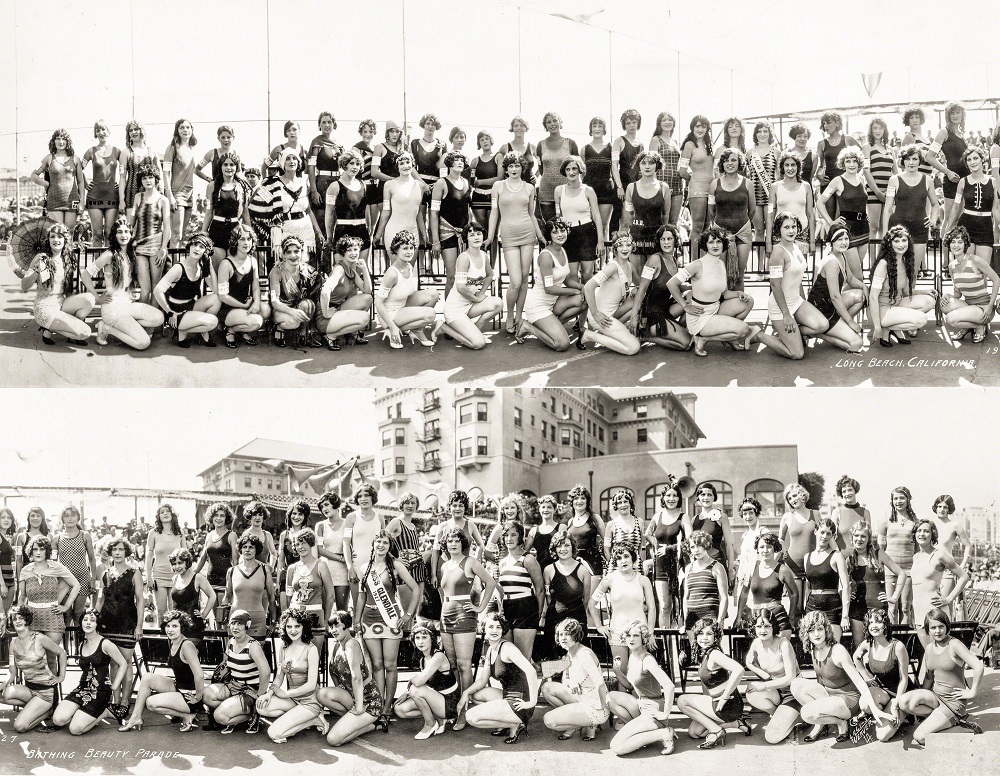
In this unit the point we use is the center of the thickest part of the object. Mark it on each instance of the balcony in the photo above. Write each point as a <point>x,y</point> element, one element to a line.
<point>475,460</point>
<point>430,435</point>
<point>432,403</point>
<point>429,464</point>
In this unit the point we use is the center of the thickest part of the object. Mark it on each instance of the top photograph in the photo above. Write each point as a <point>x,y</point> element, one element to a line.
<point>535,193</point>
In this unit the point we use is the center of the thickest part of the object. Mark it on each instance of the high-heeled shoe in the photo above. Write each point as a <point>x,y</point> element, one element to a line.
<point>128,727</point>
<point>359,338</point>
<point>885,343</point>
<point>323,725</point>
<point>423,735</point>
<point>743,725</point>
<point>46,336</point>
<point>279,339</point>
<point>332,343</point>
<point>393,345</point>
<point>566,735</point>
<point>519,733</point>
<point>249,339</point>
<point>842,737</point>
<point>207,340</point>
<point>102,335</point>
<point>588,733</point>
<point>497,732</point>
<point>188,726</point>
<point>423,339</point>
<point>814,736</point>
<point>382,723</point>
<point>896,338</point>
<point>229,338</point>
<point>713,740</point>
<point>668,741</point>
<point>968,724</point>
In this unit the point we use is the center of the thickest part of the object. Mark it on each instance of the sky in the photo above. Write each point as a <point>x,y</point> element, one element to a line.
<point>247,61</point>
<point>932,440</point>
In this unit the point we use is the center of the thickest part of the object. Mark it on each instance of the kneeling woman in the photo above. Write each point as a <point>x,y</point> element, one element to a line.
<point>469,307</point>
<point>400,306</point>
<point>29,653</point>
<point>512,705</point>
<point>181,695</point>
<point>191,306</point>
<point>242,310</point>
<point>120,316</point>
<point>720,675</point>
<point>234,700</point>
<point>345,300</point>
<point>433,692</point>
<point>609,300</point>
<point>556,297</point>
<point>971,306</point>
<point>896,306</point>
<point>293,290</point>
<point>786,307</point>
<point>57,308</point>
<point>714,313</point>
<point>883,662</point>
<point>772,659</point>
<point>83,708</point>
<point>580,701</point>
<point>839,691</point>
<point>837,294</point>
<point>653,304</point>
<point>352,691</point>
<point>291,699</point>
<point>645,708</point>
<point>945,703</point>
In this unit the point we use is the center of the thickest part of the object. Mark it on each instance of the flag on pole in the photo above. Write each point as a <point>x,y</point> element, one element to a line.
<point>871,82</point>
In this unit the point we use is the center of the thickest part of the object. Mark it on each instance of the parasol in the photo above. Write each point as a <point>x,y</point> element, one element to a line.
<point>28,239</point>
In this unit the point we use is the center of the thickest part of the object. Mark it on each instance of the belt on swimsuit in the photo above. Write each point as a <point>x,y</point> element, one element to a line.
<point>312,607</point>
<point>483,189</point>
<point>429,178</point>
<point>448,598</point>
<point>225,220</point>
<point>849,216</point>
<point>581,222</point>
<point>175,300</point>
<point>699,301</point>
<point>518,597</point>
<point>350,222</point>
<point>292,216</point>
<point>47,605</point>
<point>968,212</point>
<point>824,592</point>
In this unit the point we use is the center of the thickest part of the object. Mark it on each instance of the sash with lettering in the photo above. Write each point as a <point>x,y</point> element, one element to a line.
<point>383,600</point>
<point>761,173</point>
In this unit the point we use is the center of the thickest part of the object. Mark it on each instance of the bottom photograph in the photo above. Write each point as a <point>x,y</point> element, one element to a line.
<point>463,579</point>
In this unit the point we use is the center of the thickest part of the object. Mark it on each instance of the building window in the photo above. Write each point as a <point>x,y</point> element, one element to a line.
<point>400,436</point>
<point>399,409</point>
<point>725,500</point>
<point>641,411</point>
<point>614,436</point>
<point>770,495</point>
<point>532,421</point>
<point>517,417</point>
<point>246,467</point>
<point>269,486</point>
<point>614,412</point>
<point>605,504</point>
<point>545,429</point>
<point>600,409</point>
<point>640,435</point>
<point>465,447</point>
<point>247,482</point>
<point>464,413</point>
<point>482,445</point>
<point>564,436</point>
<point>481,414</point>
<point>260,481</point>
<point>518,449</point>
<point>532,451</point>
<point>385,466</point>
<point>386,438</point>
<point>576,439</point>
<point>600,433</point>
<point>553,405</point>
<point>400,465</point>
<point>388,413</point>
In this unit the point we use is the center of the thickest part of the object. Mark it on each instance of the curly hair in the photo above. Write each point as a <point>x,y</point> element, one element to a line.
<point>935,536</point>
<point>431,118</point>
<point>713,232</point>
<point>764,125</point>
<point>559,538</point>
<point>850,152</point>
<point>762,615</point>
<point>455,132</point>
<point>461,497</point>
<point>780,218</point>
<point>461,535</point>
<point>754,503</point>
<point>631,114</point>
<point>222,507</point>
<point>431,631</point>
<point>552,225</point>
<point>705,141</point>
<point>667,489</point>
<point>348,156</point>
<point>402,239</point>
<point>400,157</point>
<point>181,555</point>
<point>307,535</point>
<point>298,505</point>
<point>65,135</point>
<point>571,628</point>
<point>238,234</point>
<point>741,141</point>
<point>133,124</point>
<point>624,495</point>
<point>252,540</point>
<point>510,159</point>
<point>879,615</point>
<point>945,499</point>
<point>453,156</point>
<point>903,491</point>
<point>580,490</point>
<point>700,539</point>
<point>319,119</point>
<point>910,113</point>
<point>958,233</point>
<point>121,254</point>
<point>516,527</point>
<point>363,125</point>
<point>303,618</point>
<point>770,539</point>
<point>977,151</point>
<point>24,612</point>
<point>345,243</point>
<point>510,498</point>
<point>663,114</point>
<point>254,507</point>
<point>652,156</point>
<point>871,131</point>
<point>330,498</point>
<point>175,524</point>
<point>552,115</point>
<point>493,613</point>
<point>367,487</point>
<point>798,129</point>
<point>950,107</point>
<point>703,624</point>
<point>42,542</point>
<point>788,156</point>
<point>886,254</point>
<point>833,116</point>
<point>646,636</point>
<point>176,615</point>
<point>871,552</point>
<point>843,482</point>
<point>812,620</point>
<point>793,487</point>
<point>728,153</point>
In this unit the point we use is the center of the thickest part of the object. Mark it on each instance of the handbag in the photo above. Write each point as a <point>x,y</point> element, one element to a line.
<point>861,728</point>
<point>222,674</point>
